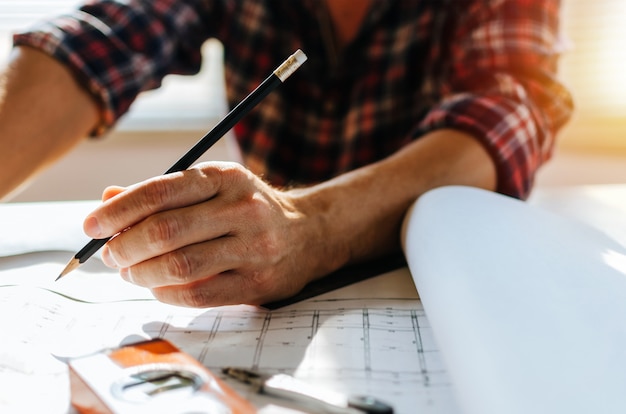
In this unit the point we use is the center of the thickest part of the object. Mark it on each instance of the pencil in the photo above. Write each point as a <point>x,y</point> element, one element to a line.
<point>286,69</point>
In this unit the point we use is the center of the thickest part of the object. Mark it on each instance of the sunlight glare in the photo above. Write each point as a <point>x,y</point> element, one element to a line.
<point>611,78</point>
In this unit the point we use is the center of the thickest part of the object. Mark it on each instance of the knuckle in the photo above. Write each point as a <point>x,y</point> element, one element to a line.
<point>233,174</point>
<point>258,208</point>
<point>156,194</point>
<point>255,208</point>
<point>195,298</point>
<point>268,245</point>
<point>163,231</point>
<point>179,267</point>
<point>259,281</point>
<point>262,286</point>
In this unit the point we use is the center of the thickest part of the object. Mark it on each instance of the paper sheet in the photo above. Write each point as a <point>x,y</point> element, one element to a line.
<point>92,282</point>
<point>528,307</point>
<point>379,347</point>
<point>38,227</point>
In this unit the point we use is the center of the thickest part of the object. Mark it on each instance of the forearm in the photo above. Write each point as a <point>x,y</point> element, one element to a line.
<point>358,215</point>
<point>43,114</point>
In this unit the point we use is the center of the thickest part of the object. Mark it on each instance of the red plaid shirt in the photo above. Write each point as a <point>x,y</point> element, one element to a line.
<point>486,67</point>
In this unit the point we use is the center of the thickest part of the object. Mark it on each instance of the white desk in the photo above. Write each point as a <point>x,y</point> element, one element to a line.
<point>601,206</point>
<point>372,337</point>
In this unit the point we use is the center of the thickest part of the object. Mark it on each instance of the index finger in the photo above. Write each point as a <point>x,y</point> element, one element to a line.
<point>154,195</point>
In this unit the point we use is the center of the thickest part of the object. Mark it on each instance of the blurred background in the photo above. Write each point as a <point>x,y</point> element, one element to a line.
<point>591,149</point>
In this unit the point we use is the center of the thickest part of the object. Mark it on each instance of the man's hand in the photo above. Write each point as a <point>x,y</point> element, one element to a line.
<point>212,235</point>
<point>216,234</point>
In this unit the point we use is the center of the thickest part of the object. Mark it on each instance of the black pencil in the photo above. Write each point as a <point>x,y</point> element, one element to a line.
<point>277,77</point>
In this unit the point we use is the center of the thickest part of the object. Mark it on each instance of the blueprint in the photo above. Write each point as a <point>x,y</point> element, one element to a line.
<point>349,340</point>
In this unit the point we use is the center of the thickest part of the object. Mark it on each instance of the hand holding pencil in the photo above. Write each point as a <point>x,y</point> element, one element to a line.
<point>286,69</point>
<point>214,234</point>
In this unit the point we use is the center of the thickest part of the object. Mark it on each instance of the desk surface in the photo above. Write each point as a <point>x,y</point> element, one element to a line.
<point>600,206</point>
<point>371,337</point>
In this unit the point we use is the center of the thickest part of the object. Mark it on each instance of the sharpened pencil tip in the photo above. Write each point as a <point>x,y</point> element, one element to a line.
<point>73,264</point>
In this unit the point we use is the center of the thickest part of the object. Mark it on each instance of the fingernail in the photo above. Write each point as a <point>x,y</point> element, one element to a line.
<point>92,228</point>
<point>107,257</point>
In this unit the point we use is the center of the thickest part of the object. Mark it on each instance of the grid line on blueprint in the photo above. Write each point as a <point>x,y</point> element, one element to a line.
<point>379,347</point>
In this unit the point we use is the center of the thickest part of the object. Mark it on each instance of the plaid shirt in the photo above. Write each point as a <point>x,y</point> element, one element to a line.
<point>486,67</point>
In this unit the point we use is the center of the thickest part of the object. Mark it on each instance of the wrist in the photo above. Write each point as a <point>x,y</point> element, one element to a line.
<point>322,246</point>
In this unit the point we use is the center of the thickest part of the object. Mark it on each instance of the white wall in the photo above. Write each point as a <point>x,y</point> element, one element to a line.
<point>571,167</point>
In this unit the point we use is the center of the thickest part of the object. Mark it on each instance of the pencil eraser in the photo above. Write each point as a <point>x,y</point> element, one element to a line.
<point>300,57</point>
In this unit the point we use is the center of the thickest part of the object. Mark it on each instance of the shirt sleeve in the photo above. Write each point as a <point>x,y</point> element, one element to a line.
<point>502,85</point>
<point>118,49</point>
